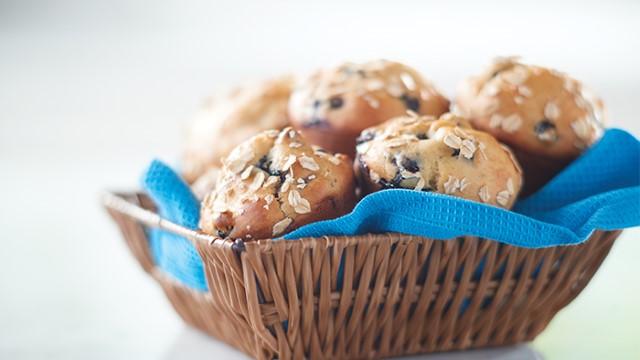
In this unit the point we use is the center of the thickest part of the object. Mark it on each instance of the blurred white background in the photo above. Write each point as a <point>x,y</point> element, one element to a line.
<point>90,91</point>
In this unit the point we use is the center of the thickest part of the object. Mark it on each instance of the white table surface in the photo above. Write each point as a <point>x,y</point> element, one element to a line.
<point>91,91</point>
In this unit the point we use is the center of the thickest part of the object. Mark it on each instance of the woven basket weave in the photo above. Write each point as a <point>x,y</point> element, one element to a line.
<point>283,299</point>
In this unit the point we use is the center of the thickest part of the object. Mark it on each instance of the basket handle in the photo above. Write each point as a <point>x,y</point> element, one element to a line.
<point>149,218</point>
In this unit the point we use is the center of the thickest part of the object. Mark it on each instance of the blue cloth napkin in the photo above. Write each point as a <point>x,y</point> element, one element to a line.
<point>174,254</point>
<point>600,190</point>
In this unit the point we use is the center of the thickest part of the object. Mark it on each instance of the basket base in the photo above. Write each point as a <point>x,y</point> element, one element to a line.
<point>307,298</point>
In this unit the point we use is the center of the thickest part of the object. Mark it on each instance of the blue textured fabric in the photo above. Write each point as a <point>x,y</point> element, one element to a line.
<point>175,255</point>
<point>600,190</point>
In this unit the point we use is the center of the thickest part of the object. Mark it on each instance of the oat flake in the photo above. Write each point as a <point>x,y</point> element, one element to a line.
<point>511,123</point>
<point>467,149</point>
<point>452,141</point>
<point>463,184</point>
<point>292,160</point>
<point>502,198</point>
<point>281,226</point>
<point>334,160</point>
<point>551,111</point>
<point>451,185</point>
<point>495,121</point>
<point>483,194</point>
<point>308,163</point>
<point>257,181</point>
<point>408,81</point>
<point>525,91</point>
<point>246,173</point>
<point>420,185</point>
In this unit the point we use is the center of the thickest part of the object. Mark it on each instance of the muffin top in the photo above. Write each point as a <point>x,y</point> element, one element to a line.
<point>274,183</point>
<point>532,108</point>
<point>442,155</point>
<point>351,97</point>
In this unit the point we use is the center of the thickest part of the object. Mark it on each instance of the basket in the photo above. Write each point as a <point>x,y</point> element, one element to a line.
<point>368,296</point>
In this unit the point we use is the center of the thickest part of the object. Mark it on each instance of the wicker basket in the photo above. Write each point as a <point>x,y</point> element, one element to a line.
<point>282,299</point>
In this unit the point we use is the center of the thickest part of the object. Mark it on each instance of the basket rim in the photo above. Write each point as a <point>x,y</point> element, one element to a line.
<point>116,201</point>
<point>127,203</point>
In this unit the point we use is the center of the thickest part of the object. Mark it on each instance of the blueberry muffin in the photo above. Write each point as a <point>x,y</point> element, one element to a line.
<point>546,117</point>
<point>442,155</point>
<point>332,107</point>
<point>232,117</point>
<point>274,183</point>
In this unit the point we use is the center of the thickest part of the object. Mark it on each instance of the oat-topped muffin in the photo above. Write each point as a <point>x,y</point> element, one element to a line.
<point>232,117</point>
<point>334,105</point>
<point>546,117</point>
<point>443,155</point>
<point>274,183</point>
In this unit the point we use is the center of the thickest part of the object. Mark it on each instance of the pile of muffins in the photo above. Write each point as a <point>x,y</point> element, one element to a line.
<point>270,157</point>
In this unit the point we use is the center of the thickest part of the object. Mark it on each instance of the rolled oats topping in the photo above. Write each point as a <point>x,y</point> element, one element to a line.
<point>239,162</point>
<point>503,197</point>
<point>290,161</point>
<point>308,163</point>
<point>281,226</point>
<point>246,173</point>
<point>369,93</point>
<point>537,110</point>
<point>334,160</point>
<point>483,194</point>
<point>511,123</point>
<point>453,141</point>
<point>451,185</point>
<point>276,180</point>
<point>467,149</point>
<point>439,155</point>
<point>552,111</point>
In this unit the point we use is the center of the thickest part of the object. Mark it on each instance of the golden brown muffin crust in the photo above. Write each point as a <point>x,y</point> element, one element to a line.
<point>443,155</point>
<point>334,105</point>
<point>274,183</point>
<point>533,109</point>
